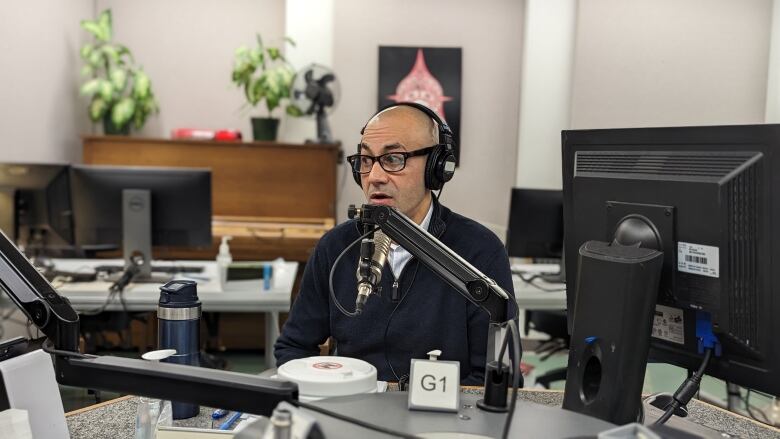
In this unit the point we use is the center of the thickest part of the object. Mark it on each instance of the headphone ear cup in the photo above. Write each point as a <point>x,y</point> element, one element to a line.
<point>439,168</point>
<point>432,180</point>
<point>446,169</point>
<point>356,177</point>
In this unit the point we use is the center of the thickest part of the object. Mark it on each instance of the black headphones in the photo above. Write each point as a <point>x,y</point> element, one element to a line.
<point>440,164</point>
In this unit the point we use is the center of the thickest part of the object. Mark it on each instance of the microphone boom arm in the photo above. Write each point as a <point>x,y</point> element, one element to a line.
<point>472,284</point>
<point>469,282</point>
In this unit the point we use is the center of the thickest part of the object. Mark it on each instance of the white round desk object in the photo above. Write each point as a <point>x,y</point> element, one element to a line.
<point>328,376</point>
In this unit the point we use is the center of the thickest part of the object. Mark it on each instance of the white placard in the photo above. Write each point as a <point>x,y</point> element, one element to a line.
<point>698,259</point>
<point>668,324</point>
<point>434,385</point>
<point>30,385</point>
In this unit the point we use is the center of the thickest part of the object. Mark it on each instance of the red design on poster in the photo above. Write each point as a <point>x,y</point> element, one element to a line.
<point>422,87</point>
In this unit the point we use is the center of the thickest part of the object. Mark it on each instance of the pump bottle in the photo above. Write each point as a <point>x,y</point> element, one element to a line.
<point>224,259</point>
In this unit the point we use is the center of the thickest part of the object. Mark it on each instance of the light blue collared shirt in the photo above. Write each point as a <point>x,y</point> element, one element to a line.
<point>398,256</point>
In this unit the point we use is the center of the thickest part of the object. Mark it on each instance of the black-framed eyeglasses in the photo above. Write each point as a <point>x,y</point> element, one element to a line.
<point>390,162</point>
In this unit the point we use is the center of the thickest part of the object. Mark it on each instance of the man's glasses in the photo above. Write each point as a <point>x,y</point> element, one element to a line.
<point>390,162</point>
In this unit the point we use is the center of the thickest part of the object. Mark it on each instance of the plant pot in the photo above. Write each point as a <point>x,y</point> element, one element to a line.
<point>264,128</point>
<point>109,129</point>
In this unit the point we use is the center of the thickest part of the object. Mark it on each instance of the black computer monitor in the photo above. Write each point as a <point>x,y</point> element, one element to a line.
<point>535,224</point>
<point>709,199</point>
<point>110,204</point>
<point>35,204</point>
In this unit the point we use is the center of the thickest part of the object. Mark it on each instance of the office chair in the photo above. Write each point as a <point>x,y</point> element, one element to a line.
<point>552,323</point>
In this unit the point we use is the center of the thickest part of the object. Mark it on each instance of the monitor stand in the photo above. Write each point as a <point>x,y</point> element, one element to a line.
<point>137,235</point>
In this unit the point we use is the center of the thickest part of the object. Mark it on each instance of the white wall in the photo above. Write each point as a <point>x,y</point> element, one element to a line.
<point>187,50</point>
<point>545,98</point>
<point>40,116</point>
<point>772,112</point>
<point>490,34</point>
<point>310,25</point>
<point>638,63</point>
<point>670,62</point>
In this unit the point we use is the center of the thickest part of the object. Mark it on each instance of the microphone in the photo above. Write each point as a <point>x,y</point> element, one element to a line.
<point>133,268</point>
<point>373,255</point>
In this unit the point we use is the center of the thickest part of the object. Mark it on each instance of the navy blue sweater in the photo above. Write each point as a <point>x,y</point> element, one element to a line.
<point>420,314</point>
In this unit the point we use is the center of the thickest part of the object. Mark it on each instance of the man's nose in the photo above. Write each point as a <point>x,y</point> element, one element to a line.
<point>377,174</point>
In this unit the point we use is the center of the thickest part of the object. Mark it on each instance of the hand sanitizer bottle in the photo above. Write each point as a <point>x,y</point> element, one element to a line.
<point>224,259</point>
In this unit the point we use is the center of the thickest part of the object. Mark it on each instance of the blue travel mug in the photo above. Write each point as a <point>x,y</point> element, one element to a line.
<point>178,319</point>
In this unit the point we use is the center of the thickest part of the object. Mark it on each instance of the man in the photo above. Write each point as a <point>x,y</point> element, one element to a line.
<point>415,311</point>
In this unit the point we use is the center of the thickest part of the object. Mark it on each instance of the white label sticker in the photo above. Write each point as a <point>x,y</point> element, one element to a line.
<point>668,324</point>
<point>434,385</point>
<point>698,259</point>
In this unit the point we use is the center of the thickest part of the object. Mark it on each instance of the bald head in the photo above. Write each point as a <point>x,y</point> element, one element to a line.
<point>421,129</point>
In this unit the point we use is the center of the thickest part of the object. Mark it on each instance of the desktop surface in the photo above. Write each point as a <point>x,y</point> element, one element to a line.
<point>116,419</point>
<point>533,292</point>
<point>140,296</point>
<point>238,296</point>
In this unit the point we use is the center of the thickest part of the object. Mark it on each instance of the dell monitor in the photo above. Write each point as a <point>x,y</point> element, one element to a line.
<point>140,207</point>
<point>35,205</point>
<point>669,233</point>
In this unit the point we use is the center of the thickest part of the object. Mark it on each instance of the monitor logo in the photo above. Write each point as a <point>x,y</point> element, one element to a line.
<point>137,204</point>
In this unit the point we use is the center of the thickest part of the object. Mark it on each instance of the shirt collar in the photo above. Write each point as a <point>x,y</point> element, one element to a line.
<point>425,223</point>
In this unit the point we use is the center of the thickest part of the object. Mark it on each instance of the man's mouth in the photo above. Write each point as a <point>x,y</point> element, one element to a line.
<point>380,198</point>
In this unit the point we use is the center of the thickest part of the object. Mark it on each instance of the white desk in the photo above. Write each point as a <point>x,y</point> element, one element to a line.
<point>530,297</point>
<point>238,296</point>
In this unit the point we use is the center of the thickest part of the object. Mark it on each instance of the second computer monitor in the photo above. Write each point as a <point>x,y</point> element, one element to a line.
<point>35,208</point>
<point>180,204</point>
<point>535,224</point>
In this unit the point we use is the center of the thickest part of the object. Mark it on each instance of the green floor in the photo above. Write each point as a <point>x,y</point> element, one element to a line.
<point>658,378</point>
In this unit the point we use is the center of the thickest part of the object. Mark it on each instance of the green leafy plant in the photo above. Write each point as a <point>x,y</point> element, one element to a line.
<point>119,91</point>
<point>264,74</point>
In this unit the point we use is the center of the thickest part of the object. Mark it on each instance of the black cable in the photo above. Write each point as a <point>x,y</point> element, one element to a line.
<point>687,389</point>
<point>48,347</point>
<point>101,308</point>
<point>333,269</point>
<point>389,319</point>
<point>530,281</point>
<point>749,409</point>
<point>515,333</point>
<point>353,421</point>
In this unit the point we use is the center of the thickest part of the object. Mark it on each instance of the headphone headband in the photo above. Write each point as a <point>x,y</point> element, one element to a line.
<point>441,125</point>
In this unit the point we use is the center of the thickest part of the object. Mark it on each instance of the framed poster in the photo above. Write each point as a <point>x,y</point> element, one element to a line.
<point>429,76</point>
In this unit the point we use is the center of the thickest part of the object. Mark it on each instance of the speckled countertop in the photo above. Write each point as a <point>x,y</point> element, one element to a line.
<point>116,419</point>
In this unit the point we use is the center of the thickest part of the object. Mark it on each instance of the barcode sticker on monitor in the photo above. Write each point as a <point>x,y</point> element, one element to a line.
<point>698,259</point>
<point>668,324</point>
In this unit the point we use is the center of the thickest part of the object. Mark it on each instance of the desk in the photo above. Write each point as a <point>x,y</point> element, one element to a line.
<point>533,296</point>
<point>530,297</point>
<point>239,296</point>
<point>116,419</point>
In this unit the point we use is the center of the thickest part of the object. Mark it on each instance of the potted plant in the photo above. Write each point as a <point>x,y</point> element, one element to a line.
<point>265,75</point>
<point>120,92</point>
